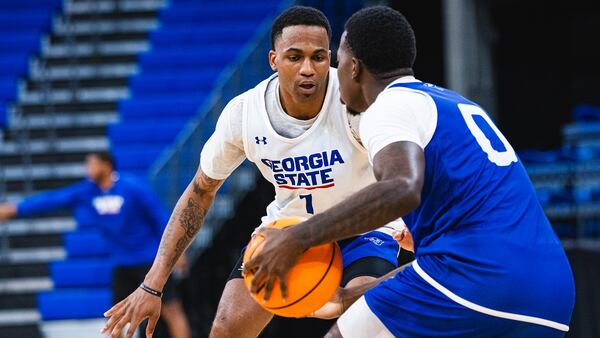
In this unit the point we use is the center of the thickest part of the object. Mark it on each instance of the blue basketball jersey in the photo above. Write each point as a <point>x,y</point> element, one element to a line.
<point>480,231</point>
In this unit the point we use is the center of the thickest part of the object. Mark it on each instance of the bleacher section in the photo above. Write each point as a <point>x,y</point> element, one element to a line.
<point>88,76</point>
<point>68,95</point>
<point>22,23</point>
<point>194,44</point>
<point>567,180</point>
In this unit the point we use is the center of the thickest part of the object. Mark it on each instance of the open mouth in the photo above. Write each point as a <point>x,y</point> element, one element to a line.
<point>307,89</point>
<point>307,86</point>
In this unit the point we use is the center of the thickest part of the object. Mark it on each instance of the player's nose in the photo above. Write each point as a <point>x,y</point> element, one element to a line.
<point>307,68</point>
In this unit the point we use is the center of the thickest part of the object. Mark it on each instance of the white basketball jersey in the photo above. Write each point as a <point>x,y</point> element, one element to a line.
<point>314,171</point>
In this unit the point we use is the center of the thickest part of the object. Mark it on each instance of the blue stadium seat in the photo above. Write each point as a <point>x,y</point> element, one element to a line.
<point>8,88</point>
<point>74,303</point>
<point>23,19</point>
<point>174,58</point>
<point>137,157</point>
<point>586,112</point>
<point>146,133</point>
<point>172,107</point>
<point>176,83</point>
<point>21,24</point>
<point>196,41</point>
<point>199,36</point>
<point>81,272</point>
<point>85,243</point>
<point>218,12</point>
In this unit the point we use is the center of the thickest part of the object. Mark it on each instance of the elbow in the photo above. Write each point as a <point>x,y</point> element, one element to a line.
<point>403,196</point>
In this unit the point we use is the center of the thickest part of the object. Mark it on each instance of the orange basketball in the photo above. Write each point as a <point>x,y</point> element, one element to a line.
<point>311,282</point>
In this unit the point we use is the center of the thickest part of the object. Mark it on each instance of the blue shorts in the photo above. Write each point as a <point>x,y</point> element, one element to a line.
<point>375,254</point>
<point>371,244</point>
<point>408,306</point>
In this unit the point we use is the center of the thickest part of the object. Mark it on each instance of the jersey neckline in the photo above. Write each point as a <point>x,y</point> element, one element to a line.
<point>310,130</point>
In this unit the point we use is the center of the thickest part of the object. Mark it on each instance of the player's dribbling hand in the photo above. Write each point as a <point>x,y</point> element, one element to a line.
<point>279,253</point>
<point>133,310</point>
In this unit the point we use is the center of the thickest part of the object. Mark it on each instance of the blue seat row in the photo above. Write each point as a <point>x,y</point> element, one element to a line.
<point>174,82</point>
<point>85,243</point>
<point>147,133</point>
<point>224,13</point>
<point>194,44</point>
<point>84,272</point>
<point>202,36</point>
<point>26,4</point>
<point>20,42</point>
<point>21,24</point>
<point>188,57</point>
<point>165,106</point>
<point>586,112</point>
<point>74,303</point>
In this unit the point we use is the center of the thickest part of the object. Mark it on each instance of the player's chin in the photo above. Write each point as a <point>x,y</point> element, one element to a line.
<point>307,92</point>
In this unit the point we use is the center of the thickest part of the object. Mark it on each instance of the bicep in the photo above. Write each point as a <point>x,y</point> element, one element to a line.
<point>224,150</point>
<point>402,160</point>
<point>203,184</point>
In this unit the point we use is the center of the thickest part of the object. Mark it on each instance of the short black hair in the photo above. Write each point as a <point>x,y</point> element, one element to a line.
<point>381,38</point>
<point>298,15</point>
<point>106,157</point>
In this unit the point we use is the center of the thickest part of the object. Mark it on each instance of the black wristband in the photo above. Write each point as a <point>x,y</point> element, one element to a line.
<point>151,290</point>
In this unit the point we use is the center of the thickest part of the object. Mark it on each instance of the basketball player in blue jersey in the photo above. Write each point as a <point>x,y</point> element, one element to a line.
<point>487,262</point>
<point>294,128</point>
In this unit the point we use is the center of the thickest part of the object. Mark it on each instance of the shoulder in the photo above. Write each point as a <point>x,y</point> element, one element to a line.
<point>401,98</point>
<point>234,106</point>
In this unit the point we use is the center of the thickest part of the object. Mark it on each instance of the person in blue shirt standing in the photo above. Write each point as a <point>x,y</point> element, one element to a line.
<point>128,214</point>
<point>487,262</point>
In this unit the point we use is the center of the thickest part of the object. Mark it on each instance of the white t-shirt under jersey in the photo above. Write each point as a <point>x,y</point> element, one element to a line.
<point>398,114</point>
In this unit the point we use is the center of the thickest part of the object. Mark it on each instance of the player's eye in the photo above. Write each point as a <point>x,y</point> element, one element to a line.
<point>319,58</point>
<point>293,58</point>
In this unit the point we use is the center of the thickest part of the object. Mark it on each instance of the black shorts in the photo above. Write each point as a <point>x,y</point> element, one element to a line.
<point>126,279</point>
<point>366,266</point>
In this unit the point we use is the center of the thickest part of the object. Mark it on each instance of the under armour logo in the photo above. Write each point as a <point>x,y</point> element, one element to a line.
<point>259,140</point>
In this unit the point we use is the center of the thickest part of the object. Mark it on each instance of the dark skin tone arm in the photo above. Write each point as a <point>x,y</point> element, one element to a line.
<point>184,224</point>
<point>399,170</point>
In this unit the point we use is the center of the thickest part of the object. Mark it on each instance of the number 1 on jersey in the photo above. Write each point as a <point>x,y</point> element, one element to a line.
<point>309,205</point>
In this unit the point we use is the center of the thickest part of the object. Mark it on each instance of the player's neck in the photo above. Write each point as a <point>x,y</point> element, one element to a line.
<point>106,182</point>
<point>376,84</point>
<point>301,109</point>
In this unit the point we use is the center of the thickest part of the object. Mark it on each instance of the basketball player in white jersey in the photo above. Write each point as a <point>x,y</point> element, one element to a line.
<point>295,129</point>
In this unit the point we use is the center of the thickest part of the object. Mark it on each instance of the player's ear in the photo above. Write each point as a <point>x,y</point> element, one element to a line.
<point>356,68</point>
<point>272,60</point>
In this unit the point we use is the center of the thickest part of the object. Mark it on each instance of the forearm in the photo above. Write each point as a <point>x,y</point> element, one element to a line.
<point>368,209</point>
<point>184,223</point>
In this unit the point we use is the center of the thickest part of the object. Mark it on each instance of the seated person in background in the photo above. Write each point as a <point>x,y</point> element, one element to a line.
<point>131,219</point>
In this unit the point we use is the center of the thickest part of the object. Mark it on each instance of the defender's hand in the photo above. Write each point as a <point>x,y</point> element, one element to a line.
<point>133,310</point>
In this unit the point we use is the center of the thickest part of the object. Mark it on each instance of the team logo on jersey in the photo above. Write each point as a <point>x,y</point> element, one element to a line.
<point>259,139</point>
<point>305,172</point>
<point>374,240</point>
<point>108,205</point>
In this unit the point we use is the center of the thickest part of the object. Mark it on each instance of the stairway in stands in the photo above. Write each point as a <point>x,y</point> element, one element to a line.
<point>61,113</point>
